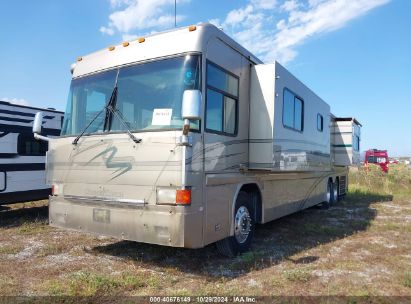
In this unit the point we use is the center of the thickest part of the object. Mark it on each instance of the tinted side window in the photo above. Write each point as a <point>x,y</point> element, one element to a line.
<point>229,114</point>
<point>298,114</point>
<point>356,143</point>
<point>221,101</point>
<point>293,111</point>
<point>221,80</point>
<point>288,112</point>
<point>27,145</point>
<point>214,110</point>
<point>320,122</point>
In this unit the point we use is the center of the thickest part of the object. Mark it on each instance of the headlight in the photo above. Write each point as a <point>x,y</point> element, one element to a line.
<point>173,196</point>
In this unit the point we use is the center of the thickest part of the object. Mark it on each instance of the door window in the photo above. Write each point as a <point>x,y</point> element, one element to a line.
<point>221,101</point>
<point>293,111</point>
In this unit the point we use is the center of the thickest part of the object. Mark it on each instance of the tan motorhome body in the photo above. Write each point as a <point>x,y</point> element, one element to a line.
<point>107,184</point>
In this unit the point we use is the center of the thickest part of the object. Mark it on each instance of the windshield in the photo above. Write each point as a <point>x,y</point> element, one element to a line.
<point>377,160</point>
<point>149,96</point>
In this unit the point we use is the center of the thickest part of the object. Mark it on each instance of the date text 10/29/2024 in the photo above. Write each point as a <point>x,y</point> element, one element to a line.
<point>203,299</point>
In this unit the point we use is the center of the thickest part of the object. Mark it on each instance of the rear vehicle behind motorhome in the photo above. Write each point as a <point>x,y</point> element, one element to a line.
<point>377,157</point>
<point>184,138</point>
<point>22,158</point>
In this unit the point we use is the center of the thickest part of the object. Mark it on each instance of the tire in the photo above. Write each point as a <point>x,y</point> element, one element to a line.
<point>244,225</point>
<point>336,191</point>
<point>329,194</point>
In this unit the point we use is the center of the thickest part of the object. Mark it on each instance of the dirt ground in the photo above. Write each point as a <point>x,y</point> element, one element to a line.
<point>360,247</point>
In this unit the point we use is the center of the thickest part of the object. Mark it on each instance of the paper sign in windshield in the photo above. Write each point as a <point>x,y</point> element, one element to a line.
<point>162,117</point>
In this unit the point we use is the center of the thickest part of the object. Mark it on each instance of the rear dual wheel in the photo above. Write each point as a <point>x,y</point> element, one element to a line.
<point>332,194</point>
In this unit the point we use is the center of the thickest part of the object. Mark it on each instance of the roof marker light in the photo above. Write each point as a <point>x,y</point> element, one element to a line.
<point>192,28</point>
<point>141,40</point>
<point>125,44</point>
<point>79,59</point>
<point>111,48</point>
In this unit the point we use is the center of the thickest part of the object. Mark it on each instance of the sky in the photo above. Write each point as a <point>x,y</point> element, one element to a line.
<point>354,54</point>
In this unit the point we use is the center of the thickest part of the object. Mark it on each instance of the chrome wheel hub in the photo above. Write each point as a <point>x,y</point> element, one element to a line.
<point>242,226</point>
<point>335,192</point>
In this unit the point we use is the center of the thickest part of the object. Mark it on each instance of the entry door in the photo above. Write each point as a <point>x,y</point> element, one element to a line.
<point>2,181</point>
<point>221,118</point>
<point>225,141</point>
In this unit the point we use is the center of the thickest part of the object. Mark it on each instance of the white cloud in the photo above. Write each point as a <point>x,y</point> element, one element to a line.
<point>239,15</point>
<point>216,22</point>
<point>17,101</point>
<point>107,30</point>
<point>290,5</point>
<point>258,28</point>
<point>131,17</point>
<point>264,4</point>
<point>270,29</point>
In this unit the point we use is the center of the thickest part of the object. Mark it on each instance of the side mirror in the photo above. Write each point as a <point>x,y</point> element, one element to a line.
<point>37,125</point>
<point>191,106</point>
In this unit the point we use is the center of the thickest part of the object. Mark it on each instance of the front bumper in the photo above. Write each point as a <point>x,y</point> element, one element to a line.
<point>175,226</point>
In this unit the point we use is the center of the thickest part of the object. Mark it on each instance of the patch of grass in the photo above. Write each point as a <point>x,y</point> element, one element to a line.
<point>348,265</point>
<point>7,285</point>
<point>50,249</point>
<point>153,282</point>
<point>247,260</point>
<point>181,293</point>
<point>84,283</point>
<point>302,275</point>
<point>55,288</point>
<point>391,226</point>
<point>32,227</point>
<point>11,249</point>
<point>372,180</point>
<point>88,284</point>
<point>328,230</point>
<point>406,279</point>
<point>134,282</point>
<point>251,256</point>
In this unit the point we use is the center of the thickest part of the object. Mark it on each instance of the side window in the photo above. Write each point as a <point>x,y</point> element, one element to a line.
<point>356,143</point>
<point>28,146</point>
<point>221,101</point>
<point>293,110</point>
<point>320,122</point>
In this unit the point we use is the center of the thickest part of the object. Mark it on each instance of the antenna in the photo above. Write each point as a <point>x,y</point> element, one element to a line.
<point>175,13</point>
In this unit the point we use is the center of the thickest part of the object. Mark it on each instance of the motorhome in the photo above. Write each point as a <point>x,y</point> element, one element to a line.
<point>22,158</point>
<point>185,138</point>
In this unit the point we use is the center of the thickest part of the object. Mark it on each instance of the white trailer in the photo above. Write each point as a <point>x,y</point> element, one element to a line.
<point>346,137</point>
<point>183,139</point>
<point>22,158</point>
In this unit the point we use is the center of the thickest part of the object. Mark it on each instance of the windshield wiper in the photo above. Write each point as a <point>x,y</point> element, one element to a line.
<point>111,107</point>
<point>89,124</point>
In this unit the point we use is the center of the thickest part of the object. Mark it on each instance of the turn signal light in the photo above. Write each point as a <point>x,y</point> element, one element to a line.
<point>183,197</point>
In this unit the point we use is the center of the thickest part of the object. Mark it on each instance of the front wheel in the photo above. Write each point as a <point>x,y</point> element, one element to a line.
<point>244,223</point>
